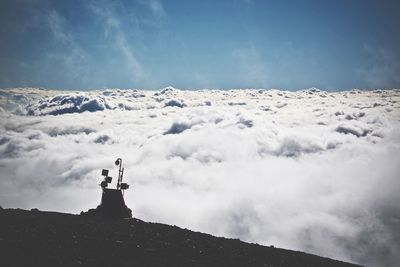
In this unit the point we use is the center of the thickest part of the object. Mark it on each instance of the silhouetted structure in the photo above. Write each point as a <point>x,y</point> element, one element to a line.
<point>112,201</point>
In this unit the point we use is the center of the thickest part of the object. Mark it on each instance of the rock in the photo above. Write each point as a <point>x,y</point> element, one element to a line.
<point>25,240</point>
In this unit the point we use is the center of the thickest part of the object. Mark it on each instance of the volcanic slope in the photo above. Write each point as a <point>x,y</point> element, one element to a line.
<point>36,238</point>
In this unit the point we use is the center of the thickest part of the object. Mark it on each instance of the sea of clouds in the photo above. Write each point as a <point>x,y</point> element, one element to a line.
<point>306,170</point>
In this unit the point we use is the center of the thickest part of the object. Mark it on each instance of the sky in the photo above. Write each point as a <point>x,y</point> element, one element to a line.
<point>151,44</point>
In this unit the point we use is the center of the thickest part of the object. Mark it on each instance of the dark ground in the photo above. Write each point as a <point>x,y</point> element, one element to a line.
<point>36,238</point>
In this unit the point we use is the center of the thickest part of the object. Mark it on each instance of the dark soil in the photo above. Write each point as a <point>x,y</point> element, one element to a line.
<point>36,238</point>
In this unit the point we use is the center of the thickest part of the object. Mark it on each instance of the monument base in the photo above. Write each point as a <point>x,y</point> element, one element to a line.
<point>112,205</point>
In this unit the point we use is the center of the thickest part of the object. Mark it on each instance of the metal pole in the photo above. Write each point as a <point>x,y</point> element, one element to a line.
<point>119,174</point>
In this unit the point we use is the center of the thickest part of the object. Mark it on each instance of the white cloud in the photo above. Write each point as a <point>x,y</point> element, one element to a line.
<point>306,170</point>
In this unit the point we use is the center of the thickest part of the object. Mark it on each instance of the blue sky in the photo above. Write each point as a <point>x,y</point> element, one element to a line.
<point>71,44</point>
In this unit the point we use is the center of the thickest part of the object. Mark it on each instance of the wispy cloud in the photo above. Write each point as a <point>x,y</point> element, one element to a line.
<point>383,70</point>
<point>252,68</point>
<point>56,24</point>
<point>247,2</point>
<point>72,56</point>
<point>113,29</point>
<point>156,7</point>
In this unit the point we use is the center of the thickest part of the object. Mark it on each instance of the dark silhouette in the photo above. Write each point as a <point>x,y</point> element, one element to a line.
<point>37,238</point>
<point>112,201</point>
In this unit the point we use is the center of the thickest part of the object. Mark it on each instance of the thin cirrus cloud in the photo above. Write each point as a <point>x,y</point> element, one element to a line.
<point>239,163</point>
<point>383,68</point>
<point>74,57</point>
<point>252,67</point>
<point>113,30</point>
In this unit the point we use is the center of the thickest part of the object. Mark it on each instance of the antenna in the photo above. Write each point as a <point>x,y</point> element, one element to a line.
<point>112,203</point>
<point>118,162</point>
<point>108,179</point>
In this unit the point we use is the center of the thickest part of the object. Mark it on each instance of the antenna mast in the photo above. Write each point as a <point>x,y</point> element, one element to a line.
<point>118,162</point>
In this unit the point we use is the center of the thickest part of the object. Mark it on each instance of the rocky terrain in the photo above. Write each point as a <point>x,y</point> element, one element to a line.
<point>37,238</point>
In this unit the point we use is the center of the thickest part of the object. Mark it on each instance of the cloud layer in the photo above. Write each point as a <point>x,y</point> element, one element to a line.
<point>306,170</point>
